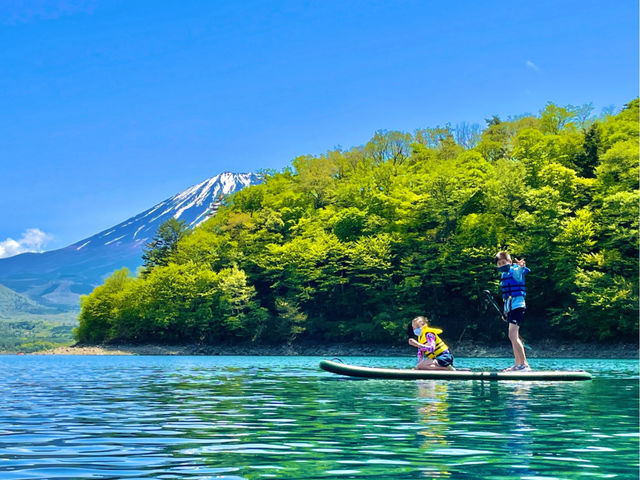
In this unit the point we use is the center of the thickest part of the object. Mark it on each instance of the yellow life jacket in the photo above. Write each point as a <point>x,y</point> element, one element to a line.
<point>440,345</point>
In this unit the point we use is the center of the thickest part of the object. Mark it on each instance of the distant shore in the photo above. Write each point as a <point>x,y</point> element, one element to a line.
<point>546,349</point>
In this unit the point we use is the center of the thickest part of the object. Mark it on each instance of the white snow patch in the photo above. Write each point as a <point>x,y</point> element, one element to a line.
<point>195,188</point>
<point>84,244</point>
<point>154,209</point>
<point>168,210</point>
<point>138,230</point>
<point>195,223</point>
<point>115,240</point>
<point>204,191</point>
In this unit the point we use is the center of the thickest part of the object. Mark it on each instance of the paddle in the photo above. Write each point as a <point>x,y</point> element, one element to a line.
<point>490,299</point>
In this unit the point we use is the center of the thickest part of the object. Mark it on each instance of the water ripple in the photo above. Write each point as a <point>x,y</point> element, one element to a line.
<point>223,417</point>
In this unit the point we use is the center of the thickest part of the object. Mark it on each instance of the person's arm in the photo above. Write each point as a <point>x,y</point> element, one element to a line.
<point>430,346</point>
<point>431,342</point>
<point>421,348</point>
<point>521,263</point>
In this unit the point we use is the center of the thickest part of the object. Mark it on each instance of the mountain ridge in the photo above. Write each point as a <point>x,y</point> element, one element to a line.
<point>57,278</point>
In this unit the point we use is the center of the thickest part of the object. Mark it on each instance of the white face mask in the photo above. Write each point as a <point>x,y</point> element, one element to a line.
<point>417,331</point>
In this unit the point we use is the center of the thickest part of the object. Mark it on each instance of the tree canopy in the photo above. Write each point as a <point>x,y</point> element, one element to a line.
<point>351,244</point>
<point>158,252</point>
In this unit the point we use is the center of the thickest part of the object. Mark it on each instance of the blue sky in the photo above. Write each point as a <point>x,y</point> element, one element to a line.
<point>108,107</point>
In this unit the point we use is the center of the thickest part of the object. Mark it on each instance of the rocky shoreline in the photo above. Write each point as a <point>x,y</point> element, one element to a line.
<point>546,349</point>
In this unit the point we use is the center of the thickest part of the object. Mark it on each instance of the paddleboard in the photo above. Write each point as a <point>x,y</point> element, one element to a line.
<point>409,374</point>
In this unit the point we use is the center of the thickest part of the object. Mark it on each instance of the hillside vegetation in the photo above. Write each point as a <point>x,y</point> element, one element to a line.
<point>13,303</point>
<point>350,245</point>
<point>25,332</point>
<point>27,326</point>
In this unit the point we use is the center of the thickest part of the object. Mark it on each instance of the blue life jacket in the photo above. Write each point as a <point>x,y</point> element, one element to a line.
<point>510,286</point>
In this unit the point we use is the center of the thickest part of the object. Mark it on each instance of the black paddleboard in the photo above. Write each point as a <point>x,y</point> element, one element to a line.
<point>410,374</point>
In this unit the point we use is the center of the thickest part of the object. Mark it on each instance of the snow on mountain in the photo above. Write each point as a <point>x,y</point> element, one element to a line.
<point>58,277</point>
<point>193,206</point>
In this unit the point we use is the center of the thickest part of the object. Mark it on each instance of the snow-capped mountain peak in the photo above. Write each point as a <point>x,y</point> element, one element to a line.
<point>58,277</point>
<point>193,206</point>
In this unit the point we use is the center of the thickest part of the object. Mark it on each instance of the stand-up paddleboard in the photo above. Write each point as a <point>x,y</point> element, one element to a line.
<point>408,374</point>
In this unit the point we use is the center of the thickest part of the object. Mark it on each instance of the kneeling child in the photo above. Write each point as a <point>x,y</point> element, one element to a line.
<point>433,353</point>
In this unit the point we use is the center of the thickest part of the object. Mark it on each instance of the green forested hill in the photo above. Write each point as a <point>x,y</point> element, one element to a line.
<point>350,245</point>
<point>13,303</point>
<point>27,326</point>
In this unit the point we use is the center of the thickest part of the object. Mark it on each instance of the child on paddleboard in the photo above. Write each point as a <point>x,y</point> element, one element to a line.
<point>433,353</point>
<point>513,293</point>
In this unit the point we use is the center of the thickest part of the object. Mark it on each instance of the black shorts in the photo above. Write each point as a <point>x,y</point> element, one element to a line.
<point>445,359</point>
<point>515,316</point>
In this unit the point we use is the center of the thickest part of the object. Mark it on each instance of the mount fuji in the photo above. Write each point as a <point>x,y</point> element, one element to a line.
<point>57,278</point>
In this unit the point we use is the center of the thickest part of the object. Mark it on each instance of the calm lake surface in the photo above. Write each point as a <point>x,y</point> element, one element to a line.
<point>281,417</point>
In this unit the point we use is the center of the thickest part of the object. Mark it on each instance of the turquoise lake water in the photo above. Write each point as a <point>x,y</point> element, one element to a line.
<point>99,417</point>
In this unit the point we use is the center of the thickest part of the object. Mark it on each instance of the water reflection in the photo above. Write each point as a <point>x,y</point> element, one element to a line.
<point>433,412</point>
<point>434,417</point>
<point>519,445</point>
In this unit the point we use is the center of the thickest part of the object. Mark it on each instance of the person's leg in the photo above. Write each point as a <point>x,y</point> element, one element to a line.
<point>516,343</point>
<point>522,351</point>
<point>425,364</point>
<point>430,364</point>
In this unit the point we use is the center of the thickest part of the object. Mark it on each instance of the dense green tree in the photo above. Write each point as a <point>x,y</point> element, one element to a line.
<point>97,309</point>
<point>350,245</point>
<point>553,119</point>
<point>164,243</point>
<point>587,160</point>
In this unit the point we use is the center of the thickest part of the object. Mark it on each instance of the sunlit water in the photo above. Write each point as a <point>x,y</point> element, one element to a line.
<point>281,417</point>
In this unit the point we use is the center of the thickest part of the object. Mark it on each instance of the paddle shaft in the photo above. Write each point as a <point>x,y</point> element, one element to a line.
<point>489,297</point>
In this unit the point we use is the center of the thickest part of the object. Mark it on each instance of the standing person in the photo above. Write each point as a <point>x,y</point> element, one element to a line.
<point>438,356</point>
<point>513,293</point>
